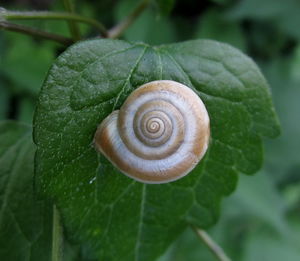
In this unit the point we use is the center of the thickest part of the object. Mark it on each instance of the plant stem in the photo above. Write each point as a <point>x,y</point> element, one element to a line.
<point>213,246</point>
<point>29,15</point>
<point>69,6</point>
<point>34,32</point>
<point>118,30</point>
<point>57,236</point>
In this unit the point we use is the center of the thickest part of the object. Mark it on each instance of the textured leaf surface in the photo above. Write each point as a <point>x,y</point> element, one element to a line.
<point>25,230</point>
<point>117,217</point>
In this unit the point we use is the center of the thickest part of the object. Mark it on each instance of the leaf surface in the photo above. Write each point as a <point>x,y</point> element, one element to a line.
<point>25,222</point>
<point>115,216</point>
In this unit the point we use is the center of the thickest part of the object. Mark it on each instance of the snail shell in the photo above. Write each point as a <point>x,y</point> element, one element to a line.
<point>159,134</point>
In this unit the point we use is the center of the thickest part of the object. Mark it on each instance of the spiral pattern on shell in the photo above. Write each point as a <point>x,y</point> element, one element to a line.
<point>159,134</point>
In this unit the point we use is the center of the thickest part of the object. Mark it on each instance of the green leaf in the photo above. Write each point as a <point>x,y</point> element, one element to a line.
<point>26,63</point>
<point>256,205</point>
<point>25,222</point>
<point>188,247</point>
<point>115,216</point>
<point>213,25</point>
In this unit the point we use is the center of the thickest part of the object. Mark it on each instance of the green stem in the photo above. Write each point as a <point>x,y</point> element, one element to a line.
<point>29,15</point>
<point>213,246</point>
<point>119,29</point>
<point>57,236</point>
<point>69,6</point>
<point>34,32</point>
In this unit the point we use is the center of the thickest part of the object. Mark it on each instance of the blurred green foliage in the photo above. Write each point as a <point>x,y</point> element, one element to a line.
<point>261,220</point>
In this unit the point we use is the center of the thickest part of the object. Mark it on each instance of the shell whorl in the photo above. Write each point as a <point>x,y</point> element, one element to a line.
<point>159,134</point>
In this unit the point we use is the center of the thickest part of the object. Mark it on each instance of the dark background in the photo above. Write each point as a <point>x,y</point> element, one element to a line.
<point>261,220</point>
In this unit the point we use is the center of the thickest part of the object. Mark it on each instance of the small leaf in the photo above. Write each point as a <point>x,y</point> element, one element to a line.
<point>115,216</point>
<point>25,222</point>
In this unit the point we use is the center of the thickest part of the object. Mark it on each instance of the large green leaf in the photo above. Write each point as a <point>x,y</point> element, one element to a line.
<point>25,222</point>
<point>253,222</point>
<point>115,216</point>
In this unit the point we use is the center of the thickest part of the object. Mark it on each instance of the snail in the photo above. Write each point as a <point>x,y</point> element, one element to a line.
<point>159,134</point>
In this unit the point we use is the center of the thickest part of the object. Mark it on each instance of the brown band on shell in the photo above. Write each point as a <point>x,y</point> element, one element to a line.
<point>113,139</point>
